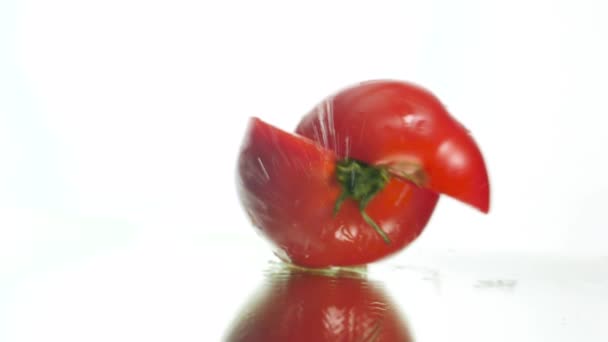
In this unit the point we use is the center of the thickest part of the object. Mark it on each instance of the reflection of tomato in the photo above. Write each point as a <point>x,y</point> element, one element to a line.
<point>361,179</point>
<point>305,307</point>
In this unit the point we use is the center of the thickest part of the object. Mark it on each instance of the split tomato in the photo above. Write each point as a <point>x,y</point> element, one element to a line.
<point>360,179</point>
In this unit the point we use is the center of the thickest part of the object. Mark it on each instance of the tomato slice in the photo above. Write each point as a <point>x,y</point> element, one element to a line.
<point>405,127</point>
<point>302,307</point>
<point>289,188</point>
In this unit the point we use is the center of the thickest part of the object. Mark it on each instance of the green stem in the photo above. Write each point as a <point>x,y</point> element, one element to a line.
<point>361,182</point>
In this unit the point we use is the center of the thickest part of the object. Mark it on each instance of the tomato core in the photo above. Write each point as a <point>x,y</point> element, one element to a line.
<point>361,182</point>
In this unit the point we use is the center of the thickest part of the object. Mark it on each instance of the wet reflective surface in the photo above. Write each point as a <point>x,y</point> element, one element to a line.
<point>454,297</point>
<point>233,289</point>
<point>137,283</point>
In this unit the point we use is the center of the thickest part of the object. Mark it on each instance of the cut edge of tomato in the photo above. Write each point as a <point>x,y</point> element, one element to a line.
<point>415,174</point>
<point>258,125</point>
<point>481,203</point>
<point>484,204</point>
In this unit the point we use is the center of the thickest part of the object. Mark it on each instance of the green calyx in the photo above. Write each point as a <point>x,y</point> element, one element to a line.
<point>361,182</point>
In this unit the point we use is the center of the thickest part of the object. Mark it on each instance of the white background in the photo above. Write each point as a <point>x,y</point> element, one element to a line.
<point>120,122</point>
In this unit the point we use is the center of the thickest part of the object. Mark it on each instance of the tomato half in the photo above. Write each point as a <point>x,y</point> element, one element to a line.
<point>361,178</point>
<point>306,307</point>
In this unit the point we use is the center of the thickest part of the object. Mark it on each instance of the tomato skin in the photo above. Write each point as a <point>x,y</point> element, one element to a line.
<point>305,307</point>
<point>288,187</point>
<point>392,122</point>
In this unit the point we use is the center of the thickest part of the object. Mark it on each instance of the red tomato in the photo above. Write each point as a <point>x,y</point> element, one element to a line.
<point>305,307</point>
<point>362,178</point>
<point>405,127</point>
<point>288,186</point>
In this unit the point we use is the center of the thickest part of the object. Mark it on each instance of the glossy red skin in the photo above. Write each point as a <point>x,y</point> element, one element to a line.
<point>304,307</point>
<point>389,122</point>
<point>288,187</point>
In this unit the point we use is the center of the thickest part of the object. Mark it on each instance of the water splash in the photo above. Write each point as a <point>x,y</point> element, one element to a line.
<point>263,169</point>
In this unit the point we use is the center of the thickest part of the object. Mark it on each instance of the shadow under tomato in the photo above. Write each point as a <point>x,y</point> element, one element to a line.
<point>298,305</point>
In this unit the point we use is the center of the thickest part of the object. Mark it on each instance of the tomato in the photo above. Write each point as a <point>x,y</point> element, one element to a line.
<point>306,307</point>
<point>360,179</point>
<point>288,186</point>
<point>405,127</point>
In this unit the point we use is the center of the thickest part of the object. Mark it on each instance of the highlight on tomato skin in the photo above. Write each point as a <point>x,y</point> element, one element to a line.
<point>288,187</point>
<point>301,306</point>
<point>406,127</point>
